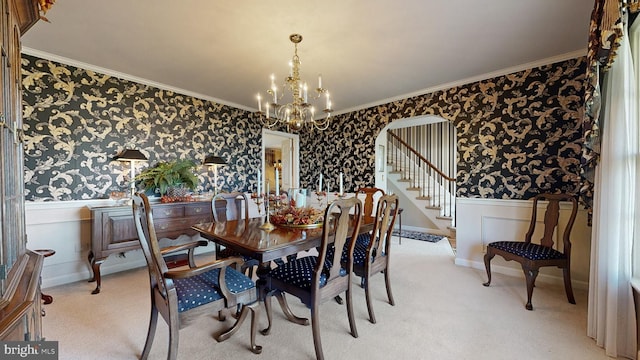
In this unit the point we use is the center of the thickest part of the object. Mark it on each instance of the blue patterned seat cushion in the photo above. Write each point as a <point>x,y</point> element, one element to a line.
<point>203,289</point>
<point>299,272</point>
<point>529,251</point>
<point>359,251</point>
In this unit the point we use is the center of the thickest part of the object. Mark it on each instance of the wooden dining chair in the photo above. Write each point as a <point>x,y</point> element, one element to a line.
<point>372,251</point>
<point>182,295</point>
<point>371,195</point>
<point>232,206</point>
<point>532,256</point>
<point>317,279</point>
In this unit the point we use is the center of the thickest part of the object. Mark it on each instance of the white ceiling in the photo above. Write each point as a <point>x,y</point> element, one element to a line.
<point>368,52</point>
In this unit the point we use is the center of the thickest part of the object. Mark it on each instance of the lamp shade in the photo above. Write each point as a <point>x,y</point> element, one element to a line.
<point>213,160</point>
<point>130,155</point>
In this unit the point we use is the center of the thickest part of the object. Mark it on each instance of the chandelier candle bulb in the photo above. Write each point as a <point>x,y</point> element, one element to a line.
<point>267,106</point>
<point>304,92</point>
<point>320,82</point>
<point>259,103</point>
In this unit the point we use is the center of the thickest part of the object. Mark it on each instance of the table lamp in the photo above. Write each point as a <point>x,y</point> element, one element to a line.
<point>214,161</point>
<point>131,155</point>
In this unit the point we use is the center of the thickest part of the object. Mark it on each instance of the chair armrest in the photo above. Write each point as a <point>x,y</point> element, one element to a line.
<point>222,263</point>
<point>181,247</point>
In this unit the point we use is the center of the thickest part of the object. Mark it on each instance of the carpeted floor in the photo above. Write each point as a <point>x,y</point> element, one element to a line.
<point>416,235</point>
<point>442,311</point>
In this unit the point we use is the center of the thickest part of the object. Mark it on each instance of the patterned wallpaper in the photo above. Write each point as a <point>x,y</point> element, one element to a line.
<point>518,134</point>
<point>76,120</point>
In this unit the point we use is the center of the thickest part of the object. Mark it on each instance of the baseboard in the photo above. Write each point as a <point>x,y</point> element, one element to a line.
<point>504,270</point>
<point>85,275</point>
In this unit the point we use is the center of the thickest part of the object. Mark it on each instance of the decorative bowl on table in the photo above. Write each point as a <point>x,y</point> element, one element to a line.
<point>304,217</point>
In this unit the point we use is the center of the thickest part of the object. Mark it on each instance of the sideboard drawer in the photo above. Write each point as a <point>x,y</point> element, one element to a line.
<point>163,211</point>
<point>197,209</point>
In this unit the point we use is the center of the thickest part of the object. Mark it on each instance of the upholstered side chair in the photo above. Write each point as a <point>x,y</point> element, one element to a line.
<point>317,279</point>
<point>181,295</point>
<point>372,251</point>
<point>531,255</point>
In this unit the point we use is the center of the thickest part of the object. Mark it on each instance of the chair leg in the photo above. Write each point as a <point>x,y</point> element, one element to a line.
<point>315,327</point>
<point>267,307</point>
<point>255,317</point>
<point>567,284</point>
<point>352,320</point>
<point>530,275</point>
<point>367,295</point>
<point>387,281</point>
<point>232,330</point>
<point>173,340</point>
<point>487,264</point>
<point>153,321</point>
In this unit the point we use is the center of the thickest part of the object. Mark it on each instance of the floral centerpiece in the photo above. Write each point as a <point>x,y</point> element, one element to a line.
<point>298,217</point>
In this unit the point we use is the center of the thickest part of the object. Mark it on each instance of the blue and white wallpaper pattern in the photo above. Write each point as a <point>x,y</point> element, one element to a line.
<point>517,135</point>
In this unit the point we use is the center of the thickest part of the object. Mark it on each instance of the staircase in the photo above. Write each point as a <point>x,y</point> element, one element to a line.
<point>424,185</point>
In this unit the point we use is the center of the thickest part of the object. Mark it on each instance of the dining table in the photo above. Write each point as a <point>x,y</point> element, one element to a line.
<point>249,238</point>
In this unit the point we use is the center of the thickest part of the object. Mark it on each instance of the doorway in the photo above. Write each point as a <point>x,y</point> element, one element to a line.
<point>280,150</point>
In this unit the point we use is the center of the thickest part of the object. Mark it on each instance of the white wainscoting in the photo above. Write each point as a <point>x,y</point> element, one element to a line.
<point>65,226</point>
<point>481,221</point>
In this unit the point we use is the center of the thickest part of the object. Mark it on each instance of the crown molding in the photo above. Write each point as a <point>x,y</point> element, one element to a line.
<point>98,69</point>
<point>493,74</point>
<point>501,72</point>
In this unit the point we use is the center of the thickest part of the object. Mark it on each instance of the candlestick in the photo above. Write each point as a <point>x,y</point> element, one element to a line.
<point>259,183</point>
<point>277,184</point>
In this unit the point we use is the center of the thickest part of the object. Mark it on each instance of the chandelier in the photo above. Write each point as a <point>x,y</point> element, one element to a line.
<point>297,113</point>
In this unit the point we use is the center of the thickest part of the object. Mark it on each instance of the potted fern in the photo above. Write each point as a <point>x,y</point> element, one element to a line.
<point>171,179</point>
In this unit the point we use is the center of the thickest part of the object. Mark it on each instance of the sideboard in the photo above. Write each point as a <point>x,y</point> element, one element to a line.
<point>113,230</point>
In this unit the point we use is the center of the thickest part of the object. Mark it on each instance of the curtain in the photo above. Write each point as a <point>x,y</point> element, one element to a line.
<point>610,312</point>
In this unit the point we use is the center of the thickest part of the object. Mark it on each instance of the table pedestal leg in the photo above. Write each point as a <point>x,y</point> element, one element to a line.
<point>264,294</point>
